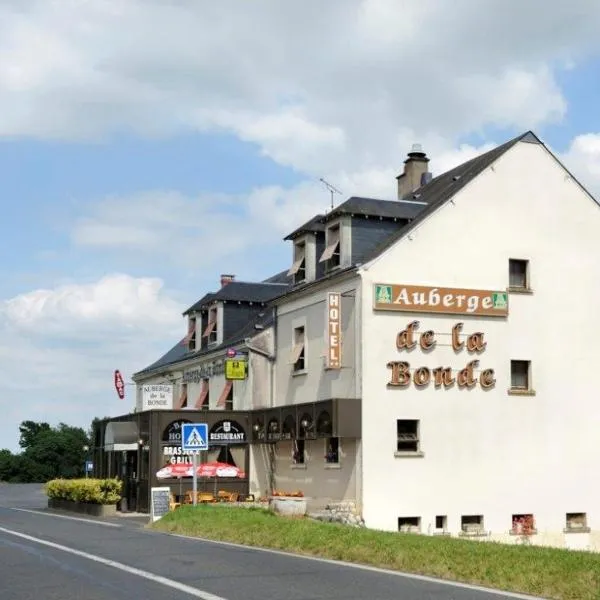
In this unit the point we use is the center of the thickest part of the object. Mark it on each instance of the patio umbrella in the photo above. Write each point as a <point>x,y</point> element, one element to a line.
<point>176,470</point>
<point>219,469</point>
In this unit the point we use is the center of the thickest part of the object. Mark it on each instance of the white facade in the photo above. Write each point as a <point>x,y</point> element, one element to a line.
<point>491,452</point>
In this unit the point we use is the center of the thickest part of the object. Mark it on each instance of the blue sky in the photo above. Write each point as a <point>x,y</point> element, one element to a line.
<point>134,173</point>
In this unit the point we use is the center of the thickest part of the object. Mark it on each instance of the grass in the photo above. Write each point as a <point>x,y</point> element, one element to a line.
<point>545,572</point>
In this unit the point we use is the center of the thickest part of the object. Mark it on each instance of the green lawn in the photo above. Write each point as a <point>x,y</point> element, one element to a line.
<point>546,572</point>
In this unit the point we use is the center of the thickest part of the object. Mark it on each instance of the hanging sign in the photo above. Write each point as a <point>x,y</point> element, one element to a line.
<point>119,384</point>
<point>236,368</point>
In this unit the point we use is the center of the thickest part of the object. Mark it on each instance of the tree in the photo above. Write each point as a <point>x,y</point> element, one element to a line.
<point>29,431</point>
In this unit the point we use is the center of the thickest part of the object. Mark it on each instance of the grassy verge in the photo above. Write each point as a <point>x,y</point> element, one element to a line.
<point>546,572</point>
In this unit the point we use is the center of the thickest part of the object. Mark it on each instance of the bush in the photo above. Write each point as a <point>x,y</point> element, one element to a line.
<point>91,491</point>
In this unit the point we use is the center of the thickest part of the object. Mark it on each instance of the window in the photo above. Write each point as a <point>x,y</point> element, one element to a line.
<point>409,524</point>
<point>441,522</point>
<point>331,254</point>
<point>577,522</point>
<point>408,436</point>
<point>203,398</point>
<point>520,375</point>
<point>332,450</point>
<point>523,524</point>
<point>299,350</point>
<point>191,336</point>
<point>518,274</point>
<point>298,269</point>
<point>183,396</point>
<point>298,455</point>
<point>211,331</point>
<point>471,524</point>
<point>228,404</point>
<point>225,400</point>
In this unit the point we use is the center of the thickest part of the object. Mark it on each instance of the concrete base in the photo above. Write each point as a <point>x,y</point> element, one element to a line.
<point>94,510</point>
<point>288,505</point>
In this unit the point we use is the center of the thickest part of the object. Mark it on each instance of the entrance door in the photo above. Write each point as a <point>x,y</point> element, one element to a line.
<point>129,477</point>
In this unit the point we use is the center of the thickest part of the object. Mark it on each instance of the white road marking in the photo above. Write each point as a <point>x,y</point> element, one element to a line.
<point>176,585</point>
<point>339,563</point>
<point>47,514</point>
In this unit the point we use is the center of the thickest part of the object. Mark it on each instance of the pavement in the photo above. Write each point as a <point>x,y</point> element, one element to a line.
<point>50,555</point>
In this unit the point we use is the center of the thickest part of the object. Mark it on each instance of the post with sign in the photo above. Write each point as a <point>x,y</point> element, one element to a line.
<point>194,439</point>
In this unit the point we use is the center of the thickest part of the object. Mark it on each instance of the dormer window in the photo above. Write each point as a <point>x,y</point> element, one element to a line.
<point>211,331</point>
<point>191,336</point>
<point>298,269</point>
<point>331,254</point>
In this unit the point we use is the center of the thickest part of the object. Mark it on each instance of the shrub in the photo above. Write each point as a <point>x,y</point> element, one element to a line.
<point>91,491</point>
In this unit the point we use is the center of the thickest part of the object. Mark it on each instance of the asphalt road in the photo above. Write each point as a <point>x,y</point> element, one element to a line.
<point>47,555</point>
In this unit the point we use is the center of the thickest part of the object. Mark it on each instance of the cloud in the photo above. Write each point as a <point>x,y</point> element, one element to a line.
<point>320,87</point>
<point>61,346</point>
<point>583,159</point>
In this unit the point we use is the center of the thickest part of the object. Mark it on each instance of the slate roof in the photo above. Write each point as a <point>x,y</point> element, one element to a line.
<point>241,291</point>
<point>373,207</point>
<point>180,352</point>
<point>314,225</point>
<point>442,188</point>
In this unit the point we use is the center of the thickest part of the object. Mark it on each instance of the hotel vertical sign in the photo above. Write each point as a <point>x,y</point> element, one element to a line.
<point>334,331</point>
<point>453,301</point>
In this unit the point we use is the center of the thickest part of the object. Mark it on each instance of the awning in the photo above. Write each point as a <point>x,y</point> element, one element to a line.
<point>121,435</point>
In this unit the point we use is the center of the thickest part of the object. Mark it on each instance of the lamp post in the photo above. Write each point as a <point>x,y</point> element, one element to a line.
<point>85,464</point>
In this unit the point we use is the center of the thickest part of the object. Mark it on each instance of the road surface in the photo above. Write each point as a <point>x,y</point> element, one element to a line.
<point>57,556</point>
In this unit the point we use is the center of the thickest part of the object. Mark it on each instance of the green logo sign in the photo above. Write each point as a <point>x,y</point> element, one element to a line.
<point>383,294</point>
<point>500,300</point>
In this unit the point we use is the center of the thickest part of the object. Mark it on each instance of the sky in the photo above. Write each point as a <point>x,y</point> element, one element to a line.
<point>147,146</point>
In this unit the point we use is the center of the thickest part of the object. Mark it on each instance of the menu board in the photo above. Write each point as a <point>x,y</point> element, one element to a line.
<point>160,501</point>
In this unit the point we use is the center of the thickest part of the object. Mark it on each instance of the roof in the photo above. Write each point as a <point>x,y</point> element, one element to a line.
<point>444,187</point>
<point>241,291</point>
<point>316,224</point>
<point>281,277</point>
<point>180,352</point>
<point>374,207</point>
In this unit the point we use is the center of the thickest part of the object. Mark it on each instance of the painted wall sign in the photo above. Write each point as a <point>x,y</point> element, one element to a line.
<point>204,371</point>
<point>236,368</point>
<point>402,375</point>
<point>157,397</point>
<point>172,432</point>
<point>333,334</point>
<point>418,298</point>
<point>175,455</point>
<point>226,432</point>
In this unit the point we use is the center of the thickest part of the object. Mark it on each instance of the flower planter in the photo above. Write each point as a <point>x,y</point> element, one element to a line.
<point>292,506</point>
<point>94,510</point>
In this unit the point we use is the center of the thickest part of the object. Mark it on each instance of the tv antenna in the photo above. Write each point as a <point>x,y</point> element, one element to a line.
<point>332,190</point>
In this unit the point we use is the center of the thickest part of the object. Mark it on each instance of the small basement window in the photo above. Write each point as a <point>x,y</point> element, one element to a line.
<point>518,274</point>
<point>471,524</point>
<point>523,524</point>
<point>409,524</point>
<point>577,522</point>
<point>441,522</point>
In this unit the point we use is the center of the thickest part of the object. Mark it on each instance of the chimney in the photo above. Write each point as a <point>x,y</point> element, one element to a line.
<point>415,172</point>
<point>225,279</point>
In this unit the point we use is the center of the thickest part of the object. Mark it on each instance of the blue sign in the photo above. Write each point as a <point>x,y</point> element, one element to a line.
<point>194,436</point>
<point>89,466</point>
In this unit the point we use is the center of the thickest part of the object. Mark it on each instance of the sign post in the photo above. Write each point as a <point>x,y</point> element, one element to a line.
<point>194,439</point>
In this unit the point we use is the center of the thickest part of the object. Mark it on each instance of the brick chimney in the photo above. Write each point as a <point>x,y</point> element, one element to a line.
<point>415,172</point>
<point>225,279</point>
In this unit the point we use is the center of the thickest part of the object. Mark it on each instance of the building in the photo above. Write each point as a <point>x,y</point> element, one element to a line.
<point>429,355</point>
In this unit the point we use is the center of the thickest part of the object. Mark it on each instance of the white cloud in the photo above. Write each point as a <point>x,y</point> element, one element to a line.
<point>583,159</point>
<point>322,87</point>
<point>61,346</point>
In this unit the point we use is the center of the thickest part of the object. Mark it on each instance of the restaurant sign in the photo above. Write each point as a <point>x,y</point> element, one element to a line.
<point>402,375</point>
<point>226,432</point>
<point>418,298</point>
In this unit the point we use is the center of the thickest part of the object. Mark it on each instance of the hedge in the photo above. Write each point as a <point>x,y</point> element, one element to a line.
<point>91,491</point>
